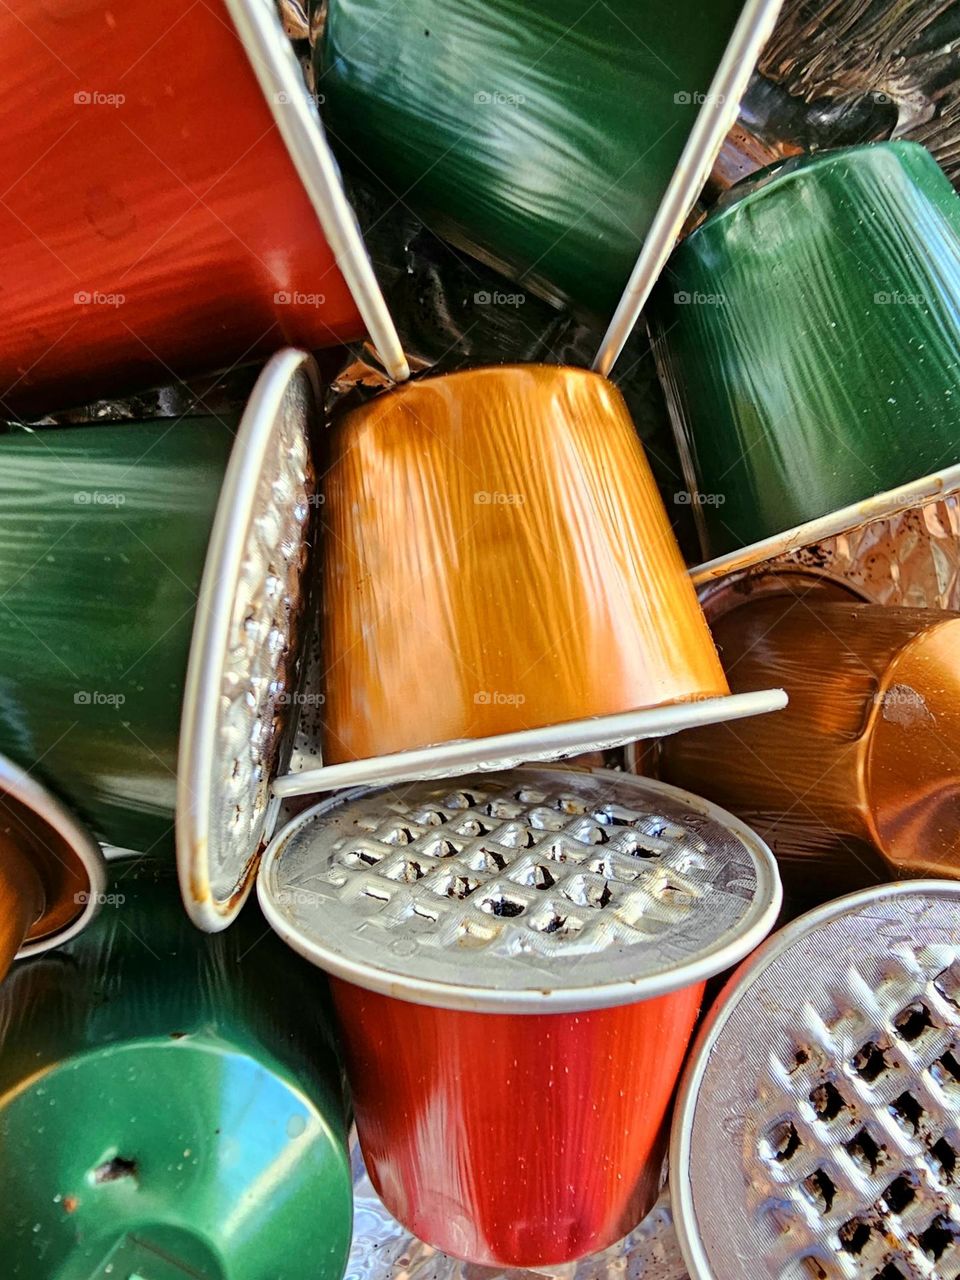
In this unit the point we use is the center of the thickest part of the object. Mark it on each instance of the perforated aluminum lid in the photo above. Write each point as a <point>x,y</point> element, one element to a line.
<point>242,688</point>
<point>520,890</point>
<point>817,1133</point>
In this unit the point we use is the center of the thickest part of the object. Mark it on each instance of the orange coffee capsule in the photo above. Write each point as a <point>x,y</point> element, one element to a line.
<point>860,775</point>
<point>496,558</point>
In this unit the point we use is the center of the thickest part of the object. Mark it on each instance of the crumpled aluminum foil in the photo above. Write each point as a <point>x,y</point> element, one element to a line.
<point>384,1250</point>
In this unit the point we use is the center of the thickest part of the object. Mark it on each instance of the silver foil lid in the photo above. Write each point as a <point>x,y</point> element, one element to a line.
<point>817,1132</point>
<point>242,688</point>
<point>521,890</point>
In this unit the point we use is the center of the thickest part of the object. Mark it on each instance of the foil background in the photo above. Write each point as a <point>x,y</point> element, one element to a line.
<point>384,1250</point>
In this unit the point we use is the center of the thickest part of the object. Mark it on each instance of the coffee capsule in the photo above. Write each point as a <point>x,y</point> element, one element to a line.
<point>859,778</point>
<point>808,336</point>
<point>518,962</point>
<point>52,872</point>
<point>554,142</point>
<point>154,581</point>
<point>500,583</point>
<point>201,232</point>
<point>170,1103</point>
<point>816,1129</point>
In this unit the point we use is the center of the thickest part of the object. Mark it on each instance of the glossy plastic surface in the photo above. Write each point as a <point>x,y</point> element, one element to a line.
<point>514,1140</point>
<point>103,536</point>
<point>860,776</point>
<point>497,557</point>
<point>170,1103</point>
<point>540,137</point>
<point>809,339</point>
<point>190,244</point>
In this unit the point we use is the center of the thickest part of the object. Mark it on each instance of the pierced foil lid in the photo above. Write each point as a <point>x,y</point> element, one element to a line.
<point>244,672</point>
<point>521,890</point>
<point>817,1133</point>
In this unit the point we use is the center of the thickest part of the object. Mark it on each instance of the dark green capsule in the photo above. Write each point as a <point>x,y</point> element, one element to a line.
<point>103,537</point>
<point>808,335</point>
<point>538,136</point>
<point>171,1103</point>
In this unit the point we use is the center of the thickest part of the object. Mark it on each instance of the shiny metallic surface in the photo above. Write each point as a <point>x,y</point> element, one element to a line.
<point>859,777</point>
<point>383,1249</point>
<point>519,485</point>
<point>567,890</point>
<point>817,1133</point>
<point>808,328</point>
<point>507,750</point>
<point>54,872</point>
<point>911,557</point>
<point>243,679</point>
<point>852,526</point>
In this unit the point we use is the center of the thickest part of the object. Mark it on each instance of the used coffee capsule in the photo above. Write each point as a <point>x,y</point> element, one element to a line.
<point>574,138</point>
<point>163,601</point>
<point>52,872</point>
<point>500,583</point>
<point>207,221</point>
<point>518,964</point>
<point>808,334</point>
<point>170,1103</point>
<point>816,1131</point>
<point>859,776</point>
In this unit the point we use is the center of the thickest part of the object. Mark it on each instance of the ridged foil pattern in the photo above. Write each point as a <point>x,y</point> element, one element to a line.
<point>540,876</point>
<point>826,1136</point>
<point>259,691</point>
<point>385,1250</point>
<point>911,558</point>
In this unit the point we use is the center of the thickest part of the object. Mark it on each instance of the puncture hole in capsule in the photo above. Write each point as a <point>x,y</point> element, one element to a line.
<point>945,1157</point>
<point>869,1062</point>
<point>864,1151</point>
<point>938,1237</point>
<point>827,1101</point>
<point>854,1235</point>
<point>913,1021</point>
<point>900,1194</point>
<point>906,1110</point>
<point>785,1142</point>
<point>821,1189</point>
